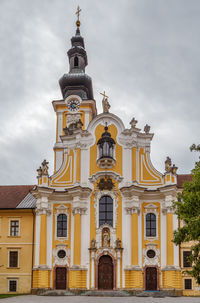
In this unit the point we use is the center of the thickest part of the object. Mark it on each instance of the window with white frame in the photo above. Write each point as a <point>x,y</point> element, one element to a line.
<point>61,225</point>
<point>12,285</point>
<point>13,259</point>
<point>150,225</point>
<point>106,210</point>
<point>14,228</point>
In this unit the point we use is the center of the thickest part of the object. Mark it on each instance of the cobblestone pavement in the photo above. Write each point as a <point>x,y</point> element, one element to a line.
<point>77,299</point>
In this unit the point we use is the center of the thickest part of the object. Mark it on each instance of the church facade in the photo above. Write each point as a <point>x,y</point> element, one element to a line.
<point>104,219</point>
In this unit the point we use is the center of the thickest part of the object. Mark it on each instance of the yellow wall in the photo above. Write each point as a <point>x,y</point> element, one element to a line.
<point>23,244</point>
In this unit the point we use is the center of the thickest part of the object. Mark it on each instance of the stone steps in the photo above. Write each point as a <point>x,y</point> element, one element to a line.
<point>106,293</point>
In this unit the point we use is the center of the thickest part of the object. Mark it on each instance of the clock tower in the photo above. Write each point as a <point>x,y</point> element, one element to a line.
<point>78,107</point>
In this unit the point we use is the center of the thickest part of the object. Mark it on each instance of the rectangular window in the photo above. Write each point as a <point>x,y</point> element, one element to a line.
<point>188,284</point>
<point>14,228</point>
<point>186,262</point>
<point>12,285</point>
<point>13,259</point>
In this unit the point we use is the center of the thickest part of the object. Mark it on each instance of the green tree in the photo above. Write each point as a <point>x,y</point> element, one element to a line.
<point>188,210</point>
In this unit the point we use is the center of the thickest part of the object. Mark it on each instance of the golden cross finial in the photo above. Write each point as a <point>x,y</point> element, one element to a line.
<point>104,94</point>
<point>78,12</point>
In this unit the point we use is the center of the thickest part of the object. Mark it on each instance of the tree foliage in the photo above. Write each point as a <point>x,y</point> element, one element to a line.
<point>188,210</point>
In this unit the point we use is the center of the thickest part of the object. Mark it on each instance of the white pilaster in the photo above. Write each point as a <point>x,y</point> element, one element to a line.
<point>87,118</point>
<point>163,238</point>
<point>85,166</point>
<point>127,165</point>
<point>60,125</point>
<point>37,239</point>
<point>49,239</point>
<point>92,269</point>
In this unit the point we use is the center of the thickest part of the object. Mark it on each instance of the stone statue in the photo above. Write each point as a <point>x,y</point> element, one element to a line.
<point>147,129</point>
<point>106,239</point>
<point>105,105</point>
<point>133,123</point>
<point>45,167</point>
<point>168,165</point>
<point>93,243</point>
<point>118,243</point>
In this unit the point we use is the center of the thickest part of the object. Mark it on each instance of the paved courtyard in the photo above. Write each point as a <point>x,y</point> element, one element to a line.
<point>77,299</point>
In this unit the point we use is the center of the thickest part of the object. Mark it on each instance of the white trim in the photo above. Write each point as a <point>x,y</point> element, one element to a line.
<point>37,239</point>
<point>9,226</point>
<point>13,250</point>
<point>151,209</point>
<point>49,238</point>
<point>60,173</point>
<point>163,240</point>
<point>75,160</point>
<point>156,179</point>
<point>61,210</point>
<point>12,279</point>
<point>99,195</point>
<point>60,125</point>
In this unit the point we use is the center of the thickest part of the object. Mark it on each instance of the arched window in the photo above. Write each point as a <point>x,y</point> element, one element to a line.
<point>106,210</point>
<point>150,225</point>
<point>76,61</point>
<point>62,225</point>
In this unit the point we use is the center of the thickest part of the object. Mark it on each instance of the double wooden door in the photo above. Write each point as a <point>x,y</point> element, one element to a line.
<point>61,278</point>
<point>151,278</point>
<point>105,273</point>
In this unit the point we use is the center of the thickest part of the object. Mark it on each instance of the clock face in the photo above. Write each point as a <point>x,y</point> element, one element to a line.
<point>74,105</point>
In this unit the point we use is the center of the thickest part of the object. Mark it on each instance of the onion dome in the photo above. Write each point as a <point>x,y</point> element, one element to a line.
<point>76,82</point>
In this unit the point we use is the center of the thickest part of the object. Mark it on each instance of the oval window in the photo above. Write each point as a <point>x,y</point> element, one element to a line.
<point>151,253</point>
<point>61,254</point>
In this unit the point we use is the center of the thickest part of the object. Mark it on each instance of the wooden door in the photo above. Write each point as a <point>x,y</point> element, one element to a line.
<point>151,278</point>
<point>105,273</point>
<point>61,276</point>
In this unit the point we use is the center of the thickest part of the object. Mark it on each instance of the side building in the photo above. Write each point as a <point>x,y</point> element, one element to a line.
<point>16,238</point>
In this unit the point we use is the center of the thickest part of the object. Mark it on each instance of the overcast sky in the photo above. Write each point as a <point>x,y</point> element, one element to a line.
<point>144,53</point>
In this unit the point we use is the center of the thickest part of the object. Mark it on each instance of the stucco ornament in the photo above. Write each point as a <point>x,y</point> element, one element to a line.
<point>61,261</point>
<point>155,259</point>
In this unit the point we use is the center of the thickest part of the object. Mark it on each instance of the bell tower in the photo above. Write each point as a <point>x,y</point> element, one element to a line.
<point>78,107</point>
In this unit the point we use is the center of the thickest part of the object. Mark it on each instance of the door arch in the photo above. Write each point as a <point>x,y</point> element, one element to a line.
<point>105,272</point>
<point>151,278</point>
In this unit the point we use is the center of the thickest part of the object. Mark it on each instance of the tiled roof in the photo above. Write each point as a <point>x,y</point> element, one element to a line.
<point>183,178</point>
<point>11,196</point>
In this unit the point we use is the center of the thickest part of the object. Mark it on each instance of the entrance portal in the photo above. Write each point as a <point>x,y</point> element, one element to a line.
<point>105,273</point>
<point>61,276</point>
<point>151,278</point>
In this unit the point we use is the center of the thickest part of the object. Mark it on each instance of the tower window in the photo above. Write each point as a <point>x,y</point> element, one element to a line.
<point>150,225</point>
<point>62,225</point>
<point>106,210</point>
<point>76,61</point>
